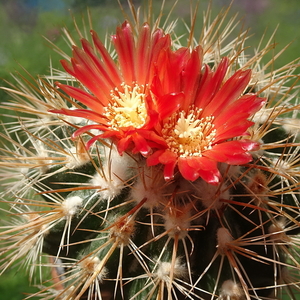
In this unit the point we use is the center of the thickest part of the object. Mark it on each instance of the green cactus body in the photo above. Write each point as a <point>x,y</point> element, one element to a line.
<point>149,195</point>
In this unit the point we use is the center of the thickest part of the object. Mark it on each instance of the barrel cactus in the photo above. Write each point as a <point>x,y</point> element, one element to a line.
<point>152,166</point>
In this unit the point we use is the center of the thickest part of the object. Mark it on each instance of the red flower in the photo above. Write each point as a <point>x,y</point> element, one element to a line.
<point>212,118</point>
<point>162,103</point>
<point>117,94</point>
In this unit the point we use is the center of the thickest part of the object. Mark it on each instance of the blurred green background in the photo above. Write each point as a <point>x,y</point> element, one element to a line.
<point>25,23</point>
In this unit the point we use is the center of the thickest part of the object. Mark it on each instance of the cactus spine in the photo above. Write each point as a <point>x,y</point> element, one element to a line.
<point>157,171</point>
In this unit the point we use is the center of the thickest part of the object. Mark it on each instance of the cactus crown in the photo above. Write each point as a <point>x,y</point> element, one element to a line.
<point>156,170</point>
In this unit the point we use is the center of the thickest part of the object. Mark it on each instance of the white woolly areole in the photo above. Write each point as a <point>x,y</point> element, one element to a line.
<point>281,165</point>
<point>113,175</point>
<point>71,205</point>
<point>291,125</point>
<point>229,171</point>
<point>164,270</point>
<point>210,195</point>
<point>230,290</point>
<point>177,223</point>
<point>263,115</point>
<point>76,159</point>
<point>122,230</point>
<point>92,265</point>
<point>181,190</point>
<point>223,239</point>
<point>276,231</point>
<point>149,184</point>
<point>41,152</point>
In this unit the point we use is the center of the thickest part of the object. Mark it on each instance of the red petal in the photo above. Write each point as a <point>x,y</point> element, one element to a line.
<point>167,157</point>
<point>168,70</point>
<point>168,104</point>
<point>87,128</point>
<point>102,69</point>
<point>125,47</point>
<point>80,113</point>
<point>83,97</point>
<point>92,141</point>
<point>111,68</point>
<point>232,130</point>
<point>186,170</point>
<point>90,74</point>
<point>123,144</point>
<point>232,152</point>
<point>191,169</point>
<point>141,145</point>
<point>230,91</point>
<point>201,163</point>
<point>152,115</point>
<point>68,67</point>
<point>169,170</point>
<point>243,107</point>
<point>153,159</point>
<point>239,159</point>
<point>211,176</point>
<point>152,136</point>
<point>143,54</point>
<point>191,76</point>
<point>211,83</point>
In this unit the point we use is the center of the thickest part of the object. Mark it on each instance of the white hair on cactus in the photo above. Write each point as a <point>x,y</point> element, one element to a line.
<point>76,158</point>
<point>41,152</point>
<point>291,125</point>
<point>223,239</point>
<point>178,221</point>
<point>91,265</point>
<point>165,268</point>
<point>114,173</point>
<point>231,290</point>
<point>277,231</point>
<point>88,273</point>
<point>181,190</point>
<point>229,171</point>
<point>281,164</point>
<point>71,205</point>
<point>122,230</point>
<point>149,184</point>
<point>210,195</point>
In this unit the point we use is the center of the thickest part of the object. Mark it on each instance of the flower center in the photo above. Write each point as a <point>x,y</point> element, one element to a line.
<point>127,107</point>
<point>189,134</point>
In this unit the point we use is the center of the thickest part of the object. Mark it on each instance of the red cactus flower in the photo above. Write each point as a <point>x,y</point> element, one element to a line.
<point>212,118</point>
<point>117,93</point>
<point>163,103</point>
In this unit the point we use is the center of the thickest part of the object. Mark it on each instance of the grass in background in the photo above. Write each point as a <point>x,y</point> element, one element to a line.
<point>26,49</point>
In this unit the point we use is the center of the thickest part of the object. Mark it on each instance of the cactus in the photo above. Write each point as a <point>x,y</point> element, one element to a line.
<point>155,168</point>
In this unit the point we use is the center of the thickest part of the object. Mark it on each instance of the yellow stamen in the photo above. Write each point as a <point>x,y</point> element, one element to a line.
<point>189,134</point>
<point>127,107</point>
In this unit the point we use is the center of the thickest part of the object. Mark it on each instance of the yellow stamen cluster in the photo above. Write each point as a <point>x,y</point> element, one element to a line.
<point>189,134</point>
<point>127,107</point>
